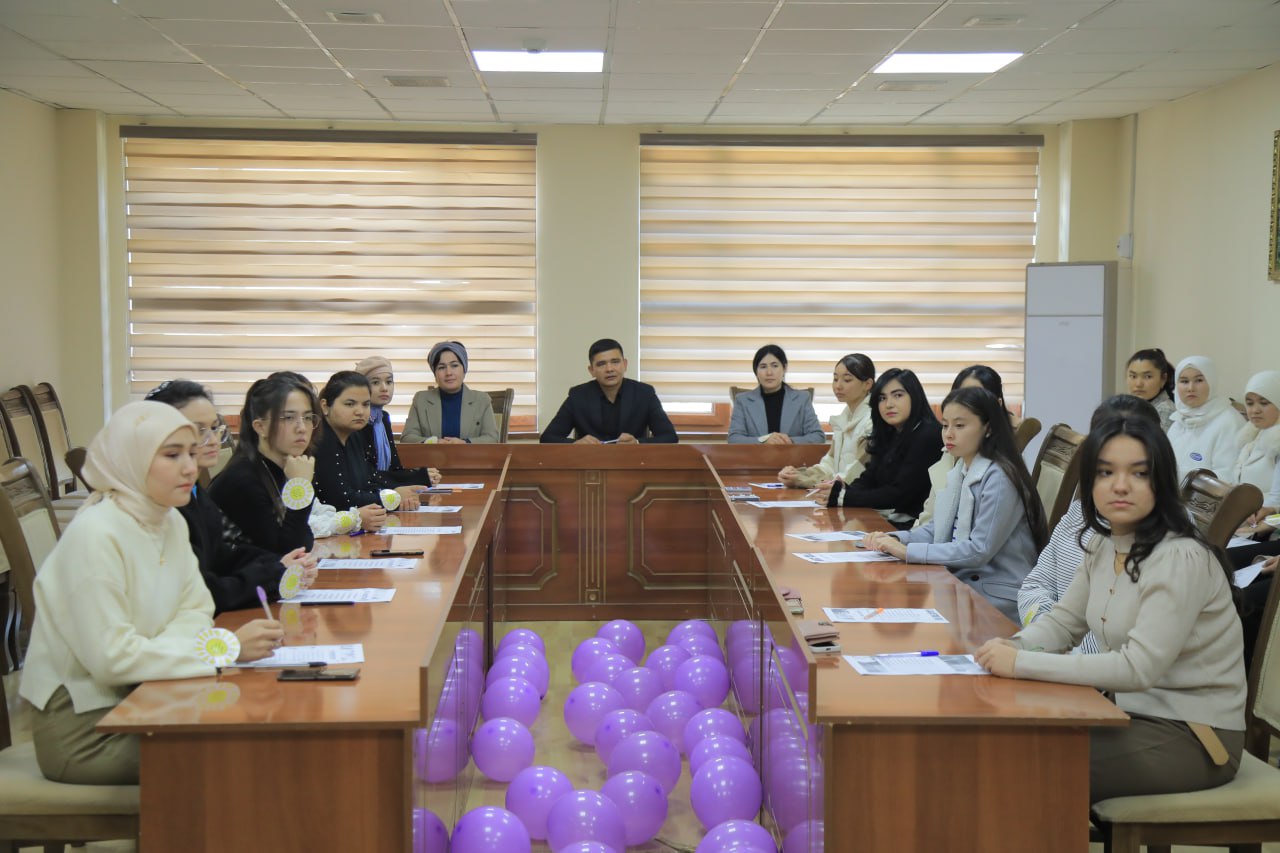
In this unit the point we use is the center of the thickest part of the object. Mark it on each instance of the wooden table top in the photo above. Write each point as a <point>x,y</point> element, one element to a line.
<point>399,638</point>
<point>841,695</point>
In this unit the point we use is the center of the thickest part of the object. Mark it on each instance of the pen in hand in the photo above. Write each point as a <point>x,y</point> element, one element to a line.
<point>262,596</point>
<point>928,653</point>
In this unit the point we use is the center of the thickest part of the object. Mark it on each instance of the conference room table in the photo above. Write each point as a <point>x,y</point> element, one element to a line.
<point>958,763</point>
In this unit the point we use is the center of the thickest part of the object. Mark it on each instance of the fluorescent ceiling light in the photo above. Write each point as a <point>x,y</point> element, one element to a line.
<point>944,63</point>
<point>583,61</point>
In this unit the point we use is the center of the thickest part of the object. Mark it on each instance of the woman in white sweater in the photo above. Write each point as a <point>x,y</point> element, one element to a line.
<point>1259,459</point>
<point>851,381</point>
<point>1205,428</point>
<point>1158,599</point>
<point>120,599</point>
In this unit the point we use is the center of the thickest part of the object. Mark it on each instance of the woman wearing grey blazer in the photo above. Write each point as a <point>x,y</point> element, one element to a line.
<point>773,412</point>
<point>451,412</point>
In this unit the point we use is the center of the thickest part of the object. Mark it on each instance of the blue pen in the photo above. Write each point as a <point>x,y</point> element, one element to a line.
<point>924,654</point>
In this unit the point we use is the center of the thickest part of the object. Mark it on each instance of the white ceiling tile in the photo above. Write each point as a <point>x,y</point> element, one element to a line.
<point>795,81</point>
<point>669,63</point>
<point>830,41</point>
<point>852,16</point>
<point>649,15</point>
<point>705,42</point>
<point>119,27</point>
<point>1011,81</point>
<point>1141,14</point>
<point>458,83</point>
<point>1014,96</point>
<point>1046,63</point>
<point>986,112</point>
<point>1214,60</point>
<point>196,102</point>
<point>1035,16</point>
<point>79,8</point>
<point>1150,40</point>
<point>975,41</point>
<point>1170,79</point>
<point>203,10</point>
<point>1072,110</point>
<point>272,74</point>
<point>518,105</point>
<point>533,15</point>
<point>152,70</point>
<point>561,96</point>
<point>403,61</point>
<point>1151,95</point>
<point>36,68</point>
<point>114,102</point>
<point>231,112</point>
<point>384,37</point>
<point>283,57</point>
<point>15,47</point>
<point>536,81</point>
<point>156,50</point>
<point>396,12</point>
<point>510,38</point>
<point>235,34</point>
<point>674,82</point>
<point>373,111</point>
<point>845,109</point>
<point>1242,38</point>
<point>813,101</point>
<point>849,66</point>
<point>164,90</point>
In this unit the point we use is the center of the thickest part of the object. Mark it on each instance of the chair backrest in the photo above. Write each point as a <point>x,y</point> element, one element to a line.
<point>23,423</point>
<point>734,391</point>
<point>58,439</point>
<point>1057,471</point>
<point>1262,711</point>
<point>28,531</point>
<point>6,736</point>
<point>502,401</point>
<point>1218,507</point>
<point>1027,430</point>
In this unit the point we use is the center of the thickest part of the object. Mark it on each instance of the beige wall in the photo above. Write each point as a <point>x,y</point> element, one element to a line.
<point>29,245</point>
<point>1200,228</point>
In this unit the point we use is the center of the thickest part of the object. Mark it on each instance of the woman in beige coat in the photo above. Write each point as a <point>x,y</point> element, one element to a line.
<point>450,413</point>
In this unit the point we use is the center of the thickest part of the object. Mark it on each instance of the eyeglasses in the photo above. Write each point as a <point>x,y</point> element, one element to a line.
<point>214,435</point>
<point>293,418</point>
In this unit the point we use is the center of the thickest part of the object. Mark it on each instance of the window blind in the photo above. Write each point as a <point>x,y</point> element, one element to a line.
<point>248,255</point>
<point>913,254</point>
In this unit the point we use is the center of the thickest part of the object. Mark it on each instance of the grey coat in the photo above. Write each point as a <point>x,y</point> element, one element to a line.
<point>999,552</point>
<point>477,423</point>
<point>798,420</point>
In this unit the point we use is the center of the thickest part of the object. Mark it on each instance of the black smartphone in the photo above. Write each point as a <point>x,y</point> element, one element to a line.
<point>386,553</point>
<point>335,673</point>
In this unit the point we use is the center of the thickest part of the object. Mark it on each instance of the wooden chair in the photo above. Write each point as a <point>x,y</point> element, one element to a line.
<point>734,391</point>
<point>75,461</point>
<point>502,401</point>
<point>1245,812</point>
<point>1219,508</point>
<point>53,423</point>
<point>28,531</point>
<point>1057,471</point>
<point>1027,430</point>
<point>20,413</point>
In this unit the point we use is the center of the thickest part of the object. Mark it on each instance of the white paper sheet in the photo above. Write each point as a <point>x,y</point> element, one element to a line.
<point>460,486</point>
<point>419,531</point>
<point>1240,542</point>
<point>830,536</point>
<point>884,614</point>
<point>303,655</point>
<point>936,665</point>
<point>1247,575</point>
<point>781,504</point>
<point>381,563</point>
<point>768,485</point>
<point>848,557</point>
<point>360,595</point>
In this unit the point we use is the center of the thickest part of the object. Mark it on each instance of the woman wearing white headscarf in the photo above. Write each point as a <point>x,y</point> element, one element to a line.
<point>1259,459</point>
<point>120,599</point>
<point>1205,428</point>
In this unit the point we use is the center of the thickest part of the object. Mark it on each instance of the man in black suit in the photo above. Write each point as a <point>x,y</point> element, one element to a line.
<point>611,408</point>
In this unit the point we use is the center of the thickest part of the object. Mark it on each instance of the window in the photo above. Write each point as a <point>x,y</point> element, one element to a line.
<point>909,250</point>
<point>249,253</point>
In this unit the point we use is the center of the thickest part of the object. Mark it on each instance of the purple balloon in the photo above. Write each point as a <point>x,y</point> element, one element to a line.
<point>440,752</point>
<point>490,829</point>
<point>710,722</point>
<point>533,670</point>
<point>700,645</point>
<point>468,638</point>
<point>615,726</point>
<point>429,834</point>
<point>739,836</point>
<point>671,712</point>
<point>586,706</point>
<point>689,628</point>
<point>725,789</point>
<point>606,667</point>
<point>651,753</point>
<point>526,649</point>
<point>805,837</point>
<point>705,678</point>
<point>523,635</point>
<point>642,802</point>
<point>450,699</point>
<point>626,636</point>
<point>665,660</point>
<point>587,847</point>
<point>639,686</point>
<point>587,651</point>
<point>511,697</point>
<point>794,668</point>
<point>531,795</point>
<point>585,816</point>
<point>790,790</point>
<point>716,746</point>
<point>502,748</point>
<point>746,684</point>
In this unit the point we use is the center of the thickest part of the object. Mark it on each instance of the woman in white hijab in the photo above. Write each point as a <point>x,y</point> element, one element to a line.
<point>120,599</point>
<point>1205,428</point>
<point>1259,459</point>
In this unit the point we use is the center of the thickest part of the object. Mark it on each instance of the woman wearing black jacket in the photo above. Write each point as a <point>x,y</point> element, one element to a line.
<point>232,570</point>
<point>905,440</point>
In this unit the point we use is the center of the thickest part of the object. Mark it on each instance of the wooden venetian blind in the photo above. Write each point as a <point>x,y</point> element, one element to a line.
<point>913,254</point>
<point>248,255</point>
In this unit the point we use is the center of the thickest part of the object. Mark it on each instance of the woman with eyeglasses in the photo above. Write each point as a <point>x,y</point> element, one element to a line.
<point>233,571</point>
<point>277,424</point>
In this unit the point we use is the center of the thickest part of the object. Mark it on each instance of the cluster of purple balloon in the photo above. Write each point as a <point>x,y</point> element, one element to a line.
<point>514,688</point>
<point>442,749</point>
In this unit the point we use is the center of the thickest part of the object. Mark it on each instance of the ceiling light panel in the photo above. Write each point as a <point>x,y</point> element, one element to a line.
<point>944,63</point>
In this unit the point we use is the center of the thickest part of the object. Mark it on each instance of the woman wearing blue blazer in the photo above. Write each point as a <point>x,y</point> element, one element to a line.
<point>774,412</point>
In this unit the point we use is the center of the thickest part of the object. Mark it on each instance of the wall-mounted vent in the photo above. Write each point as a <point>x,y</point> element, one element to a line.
<point>339,17</point>
<point>911,85</point>
<point>416,81</point>
<point>989,22</point>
